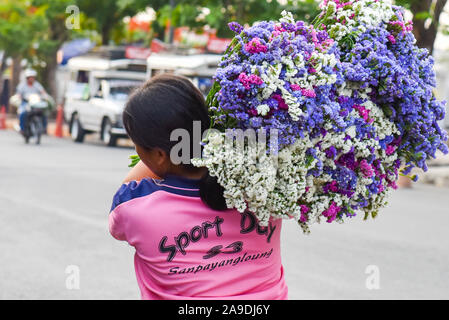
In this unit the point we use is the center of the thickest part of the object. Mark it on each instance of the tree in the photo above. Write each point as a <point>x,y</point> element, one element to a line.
<point>109,14</point>
<point>50,40</point>
<point>217,13</point>
<point>19,25</point>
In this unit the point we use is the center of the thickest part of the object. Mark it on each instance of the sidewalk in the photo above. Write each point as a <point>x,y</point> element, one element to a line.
<point>13,122</point>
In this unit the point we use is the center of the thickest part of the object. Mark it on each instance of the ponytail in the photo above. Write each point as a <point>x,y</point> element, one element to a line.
<point>211,193</point>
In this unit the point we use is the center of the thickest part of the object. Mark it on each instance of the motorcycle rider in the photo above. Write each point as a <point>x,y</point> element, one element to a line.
<point>25,88</point>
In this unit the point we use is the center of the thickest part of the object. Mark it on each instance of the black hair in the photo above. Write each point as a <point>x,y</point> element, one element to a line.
<point>164,103</point>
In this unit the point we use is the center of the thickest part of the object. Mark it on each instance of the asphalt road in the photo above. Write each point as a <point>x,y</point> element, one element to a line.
<point>54,204</point>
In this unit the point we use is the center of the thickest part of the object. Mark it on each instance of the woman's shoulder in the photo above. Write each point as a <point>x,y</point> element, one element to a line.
<point>132,190</point>
<point>173,185</point>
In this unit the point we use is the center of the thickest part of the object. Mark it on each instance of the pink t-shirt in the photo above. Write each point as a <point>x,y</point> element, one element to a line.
<point>185,250</point>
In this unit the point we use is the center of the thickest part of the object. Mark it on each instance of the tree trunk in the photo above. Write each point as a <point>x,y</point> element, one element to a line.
<point>2,70</point>
<point>105,34</point>
<point>50,75</point>
<point>425,37</point>
<point>58,33</point>
<point>15,74</point>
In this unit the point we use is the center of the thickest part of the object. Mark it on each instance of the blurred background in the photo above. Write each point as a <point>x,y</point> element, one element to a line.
<point>56,190</point>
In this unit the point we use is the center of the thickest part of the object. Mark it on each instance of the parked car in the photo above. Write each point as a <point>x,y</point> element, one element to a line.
<point>94,103</point>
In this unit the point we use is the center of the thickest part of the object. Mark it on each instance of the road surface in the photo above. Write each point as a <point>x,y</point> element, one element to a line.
<point>54,204</point>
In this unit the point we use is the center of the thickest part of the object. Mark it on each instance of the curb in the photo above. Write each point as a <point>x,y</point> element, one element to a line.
<point>11,123</point>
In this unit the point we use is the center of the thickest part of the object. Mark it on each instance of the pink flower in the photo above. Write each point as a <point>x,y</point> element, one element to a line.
<point>381,188</point>
<point>366,168</point>
<point>304,210</point>
<point>314,37</point>
<point>393,185</point>
<point>331,212</point>
<point>295,87</point>
<point>392,39</point>
<point>275,33</point>
<point>363,112</point>
<point>409,26</point>
<point>243,78</point>
<point>281,103</point>
<point>253,112</point>
<point>255,46</point>
<point>279,28</point>
<point>308,93</point>
<point>333,187</point>
<point>248,80</point>
<point>255,79</point>
<point>390,150</point>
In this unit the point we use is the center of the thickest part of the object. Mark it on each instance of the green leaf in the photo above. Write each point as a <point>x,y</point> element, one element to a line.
<point>134,160</point>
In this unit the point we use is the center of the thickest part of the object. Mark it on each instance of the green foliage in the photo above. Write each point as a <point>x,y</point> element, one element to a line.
<point>108,15</point>
<point>19,26</point>
<point>217,13</point>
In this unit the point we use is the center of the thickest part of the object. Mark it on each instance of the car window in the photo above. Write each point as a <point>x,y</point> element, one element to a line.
<point>78,91</point>
<point>121,89</point>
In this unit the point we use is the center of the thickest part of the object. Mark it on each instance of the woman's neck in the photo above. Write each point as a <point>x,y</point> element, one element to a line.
<point>189,174</point>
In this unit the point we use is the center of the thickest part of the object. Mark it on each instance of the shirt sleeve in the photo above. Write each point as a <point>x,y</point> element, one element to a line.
<point>117,225</point>
<point>120,217</point>
<point>20,89</point>
<point>38,86</point>
<point>116,216</point>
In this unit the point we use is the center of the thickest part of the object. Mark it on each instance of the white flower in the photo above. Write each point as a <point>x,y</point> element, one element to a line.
<point>351,131</point>
<point>263,109</point>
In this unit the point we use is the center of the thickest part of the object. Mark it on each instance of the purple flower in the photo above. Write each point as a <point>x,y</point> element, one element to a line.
<point>331,152</point>
<point>235,27</point>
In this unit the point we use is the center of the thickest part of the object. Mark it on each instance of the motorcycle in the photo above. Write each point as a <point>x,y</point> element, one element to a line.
<point>34,124</point>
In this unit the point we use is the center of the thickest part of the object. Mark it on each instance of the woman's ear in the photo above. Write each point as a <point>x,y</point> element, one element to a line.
<point>161,157</point>
<point>156,159</point>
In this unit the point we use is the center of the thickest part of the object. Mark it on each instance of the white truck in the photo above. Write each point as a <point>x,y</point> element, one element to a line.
<point>96,95</point>
<point>98,89</point>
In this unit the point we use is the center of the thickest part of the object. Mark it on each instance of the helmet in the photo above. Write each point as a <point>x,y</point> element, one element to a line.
<point>30,73</point>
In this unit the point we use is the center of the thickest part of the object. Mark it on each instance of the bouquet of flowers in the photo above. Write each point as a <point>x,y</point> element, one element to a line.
<point>337,108</point>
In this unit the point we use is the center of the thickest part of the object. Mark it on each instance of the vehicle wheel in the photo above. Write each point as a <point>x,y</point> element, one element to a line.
<point>27,137</point>
<point>37,128</point>
<point>76,130</point>
<point>106,136</point>
<point>27,132</point>
<point>34,133</point>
